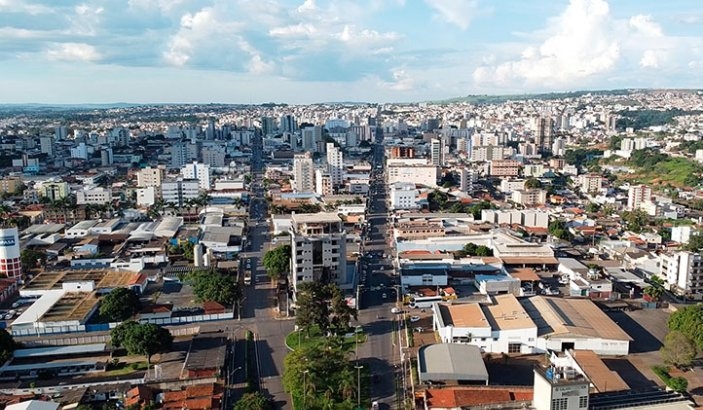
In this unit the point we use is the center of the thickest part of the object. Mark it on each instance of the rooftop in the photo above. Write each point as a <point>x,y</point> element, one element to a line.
<point>320,217</point>
<point>507,313</point>
<point>602,378</point>
<point>451,361</point>
<point>464,315</point>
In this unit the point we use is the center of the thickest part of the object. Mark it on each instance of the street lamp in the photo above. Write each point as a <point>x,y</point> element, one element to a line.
<point>358,385</point>
<point>305,388</point>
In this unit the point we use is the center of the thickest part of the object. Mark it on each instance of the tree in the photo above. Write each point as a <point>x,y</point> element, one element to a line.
<point>654,292</point>
<point>277,262</point>
<point>678,349</point>
<point>323,305</point>
<point>254,401</point>
<point>689,321</point>
<point>635,220</point>
<point>30,258</point>
<point>559,230</point>
<point>120,304</point>
<point>592,207</point>
<point>533,183</point>
<point>7,346</point>
<point>145,339</point>
<point>695,243</point>
<point>213,286</point>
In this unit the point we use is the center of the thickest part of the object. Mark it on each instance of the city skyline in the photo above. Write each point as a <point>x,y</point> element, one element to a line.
<point>181,51</point>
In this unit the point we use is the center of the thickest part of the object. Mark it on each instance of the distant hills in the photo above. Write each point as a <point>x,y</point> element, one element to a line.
<point>499,99</point>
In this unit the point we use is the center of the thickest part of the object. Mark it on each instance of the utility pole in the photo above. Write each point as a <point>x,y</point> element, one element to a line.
<point>358,385</point>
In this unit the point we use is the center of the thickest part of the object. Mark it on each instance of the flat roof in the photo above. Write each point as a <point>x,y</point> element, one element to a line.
<point>43,229</point>
<point>463,315</point>
<point>71,306</point>
<point>524,274</point>
<point>103,278</point>
<point>59,350</point>
<point>451,361</point>
<point>507,314</point>
<point>83,225</point>
<point>529,260</point>
<point>602,378</point>
<point>37,309</point>
<point>320,217</point>
<point>571,317</point>
<point>573,264</point>
<point>206,351</point>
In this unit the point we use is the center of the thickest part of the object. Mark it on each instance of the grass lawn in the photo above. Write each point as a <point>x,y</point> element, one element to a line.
<point>315,337</point>
<point>122,368</point>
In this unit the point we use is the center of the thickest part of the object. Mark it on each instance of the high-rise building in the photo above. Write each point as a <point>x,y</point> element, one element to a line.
<point>437,152</point>
<point>310,137</point>
<point>268,125</point>
<point>198,171</point>
<point>179,154</point>
<point>303,173</point>
<point>210,130</point>
<point>213,156</point>
<point>10,264</point>
<point>467,178</point>
<point>544,132</point>
<point>318,249</point>
<point>637,196</point>
<point>335,164</point>
<point>61,133</point>
<point>106,156</point>
<point>46,145</point>
<point>288,123</point>
<point>323,183</point>
<point>683,273</point>
<point>120,136</point>
<point>150,177</point>
<point>54,190</point>
<point>401,151</point>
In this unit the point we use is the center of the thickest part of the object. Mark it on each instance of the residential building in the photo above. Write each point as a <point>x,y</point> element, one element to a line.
<point>590,183</point>
<point>529,197</point>
<point>504,168</point>
<point>403,196</point>
<point>437,152</point>
<point>303,173</point>
<point>94,196</point>
<point>683,273</point>
<point>318,249</point>
<point>213,156</point>
<point>467,178</point>
<point>150,177</point>
<point>178,191</point>
<point>54,190</point>
<point>147,196</point>
<point>198,171</point>
<point>323,183</point>
<point>310,137</point>
<point>10,185</point>
<point>335,164</point>
<point>638,196</point>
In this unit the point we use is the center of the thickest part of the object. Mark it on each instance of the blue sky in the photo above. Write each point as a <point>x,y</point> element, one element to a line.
<point>304,51</point>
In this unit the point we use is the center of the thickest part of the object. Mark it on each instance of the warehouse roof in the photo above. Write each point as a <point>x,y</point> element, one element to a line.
<point>451,361</point>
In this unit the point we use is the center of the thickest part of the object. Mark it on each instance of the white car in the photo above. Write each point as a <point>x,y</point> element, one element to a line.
<point>384,296</point>
<point>396,310</point>
<point>374,406</point>
<point>414,319</point>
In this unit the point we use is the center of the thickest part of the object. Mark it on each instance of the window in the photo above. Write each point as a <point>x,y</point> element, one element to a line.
<point>560,404</point>
<point>514,347</point>
<point>583,402</point>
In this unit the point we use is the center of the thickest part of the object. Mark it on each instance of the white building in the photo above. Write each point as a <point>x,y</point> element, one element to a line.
<point>529,196</point>
<point>437,152</point>
<point>177,192</point>
<point>638,196</point>
<point>467,179</point>
<point>198,171</point>
<point>681,234</point>
<point>146,196</point>
<point>402,196</point>
<point>323,183</point>
<point>683,273</point>
<point>590,183</point>
<point>502,327</point>
<point>303,173</point>
<point>335,164</point>
<point>507,186</point>
<point>95,196</point>
<point>318,248</point>
<point>418,174</point>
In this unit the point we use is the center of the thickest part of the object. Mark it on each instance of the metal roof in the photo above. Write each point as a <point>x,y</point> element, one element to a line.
<point>60,350</point>
<point>451,361</point>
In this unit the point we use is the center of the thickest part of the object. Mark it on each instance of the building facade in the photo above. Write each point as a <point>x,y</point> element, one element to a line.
<point>303,173</point>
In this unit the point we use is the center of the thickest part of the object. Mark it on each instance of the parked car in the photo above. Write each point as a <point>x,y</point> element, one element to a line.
<point>396,310</point>
<point>414,319</point>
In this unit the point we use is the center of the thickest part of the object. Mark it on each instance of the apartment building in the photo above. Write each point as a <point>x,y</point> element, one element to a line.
<point>335,164</point>
<point>529,197</point>
<point>54,190</point>
<point>150,177</point>
<point>504,168</point>
<point>683,273</point>
<point>10,185</point>
<point>94,196</point>
<point>590,183</point>
<point>418,174</point>
<point>638,196</point>
<point>303,173</point>
<point>318,248</point>
<point>178,191</point>
<point>199,172</point>
<point>403,196</point>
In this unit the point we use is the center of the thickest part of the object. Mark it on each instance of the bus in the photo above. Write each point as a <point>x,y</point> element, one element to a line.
<point>424,302</point>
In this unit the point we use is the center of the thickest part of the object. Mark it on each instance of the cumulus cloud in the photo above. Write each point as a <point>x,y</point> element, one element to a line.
<point>651,59</point>
<point>580,43</point>
<point>457,12</point>
<point>401,81</point>
<point>72,52</point>
<point>645,25</point>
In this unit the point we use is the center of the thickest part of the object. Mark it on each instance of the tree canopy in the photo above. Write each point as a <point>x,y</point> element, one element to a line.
<point>277,262</point>
<point>533,183</point>
<point>7,346</point>
<point>558,229</point>
<point>30,258</point>
<point>254,401</point>
<point>216,287</point>
<point>322,305</point>
<point>120,304</point>
<point>678,349</point>
<point>145,339</point>
<point>636,220</point>
<point>471,249</point>
<point>689,321</point>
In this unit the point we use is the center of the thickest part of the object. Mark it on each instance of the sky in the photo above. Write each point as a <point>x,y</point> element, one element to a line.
<point>307,51</point>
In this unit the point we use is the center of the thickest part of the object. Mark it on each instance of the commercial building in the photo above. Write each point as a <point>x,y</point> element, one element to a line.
<point>418,174</point>
<point>502,327</point>
<point>451,364</point>
<point>95,196</point>
<point>318,248</point>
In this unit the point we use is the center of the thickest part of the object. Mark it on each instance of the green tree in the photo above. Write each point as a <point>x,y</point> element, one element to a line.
<point>341,312</point>
<point>592,207</point>
<point>254,401</point>
<point>277,262</point>
<point>533,183</point>
<point>7,346</point>
<point>654,292</point>
<point>679,384</point>
<point>120,304</point>
<point>145,339</point>
<point>695,243</point>
<point>483,250</point>
<point>213,286</point>
<point>635,220</point>
<point>678,349</point>
<point>312,307</point>
<point>558,229</point>
<point>689,321</point>
<point>31,258</point>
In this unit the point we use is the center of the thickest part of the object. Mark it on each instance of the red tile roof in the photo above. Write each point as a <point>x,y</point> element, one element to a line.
<point>475,396</point>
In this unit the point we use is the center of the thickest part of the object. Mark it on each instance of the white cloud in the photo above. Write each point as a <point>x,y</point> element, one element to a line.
<point>257,65</point>
<point>645,25</point>
<point>402,81</point>
<point>73,52</point>
<point>307,7</point>
<point>457,12</point>
<point>367,39</point>
<point>651,59</point>
<point>164,6</point>
<point>23,6</point>
<point>85,20</point>
<point>295,30</point>
<point>580,44</point>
